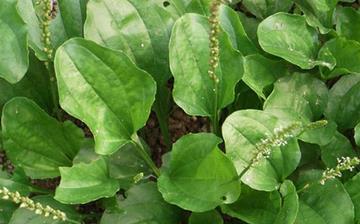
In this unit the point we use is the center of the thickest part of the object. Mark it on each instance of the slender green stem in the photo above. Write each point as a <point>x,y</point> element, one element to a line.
<point>162,110</point>
<point>142,152</point>
<point>215,123</point>
<point>306,186</point>
<point>53,89</point>
<point>164,131</point>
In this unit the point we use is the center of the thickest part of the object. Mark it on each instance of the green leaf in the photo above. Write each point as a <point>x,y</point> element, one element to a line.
<point>6,210</point>
<point>14,60</point>
<point>210,217</point>
<point>198,176</point>
<point>338,146</point>
<point>319,13</point>
<point>344,106</point>
<point>26,10</point>
<point>68,22</point>
<point>141,29</point>
<point>13,185</point>
<point>83,183</point>
<point>341,56</point>
<point>201,7</point>
<point>348,23</point>
<point>143,204</point>
<point>37,142</point>
<point>261,72</point>
<point>125,164</point>
<point>231,24</point>
<point>255,207</point>
<point>321,204</point>
<point>102,74</point>
<point>265,8</point>
<point>357,134</point>
<point>289,37</point>
<point>300,96</point>
<point>290,204</point>
<point>8,207</point>
<point>25,216</point>
<point>189,61</point>
<point>242,130</point>
<point>352,187</point>
<point>86,153</point>
<point>35,85</point>
<point>258,207</point>
<point>250,26</point>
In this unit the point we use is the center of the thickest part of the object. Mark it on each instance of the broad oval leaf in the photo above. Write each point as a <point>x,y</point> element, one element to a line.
<point>83,183</point>
<point>198,176</point>
<point>261,72</point>
<point>212,217</point>
<point>143,204</point>
<point>348,23</point>
<point>189,61</point>
<point>343,106</point>
<point>288,36</point>
<point>321,204</point>
<point>37,142</point>
<point>255,207</point>
<point>341,56</point>
<point>319,13</point>
<point>299,95</point>
<point>89,76</point>
<point>242,130</point>
<point>352,187</point>
<point>231,24</point>
<point>14,60</point>
<point>141,29</point>
<point>265,8</point>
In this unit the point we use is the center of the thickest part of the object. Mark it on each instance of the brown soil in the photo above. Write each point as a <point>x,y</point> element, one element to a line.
<point>5,164</point>
<point>180,124</point>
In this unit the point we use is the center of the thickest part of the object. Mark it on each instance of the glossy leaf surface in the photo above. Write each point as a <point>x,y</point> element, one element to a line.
<point>348,23</point>
<point>342,56</point>
<point>321,204</point>
<point>13,43</point>
<point>83,183</point>
<point>343,106</point>
<point>198,176</point>
<point>319,13</point>
<point>189,55</point>
<point>289,37</point>
<point>89,76</point>
<point>37,142</point>
<point>141,29</point>
<point>242,130</point>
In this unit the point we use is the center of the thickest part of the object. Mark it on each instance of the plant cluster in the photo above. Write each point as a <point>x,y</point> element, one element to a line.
<point>278,81</point>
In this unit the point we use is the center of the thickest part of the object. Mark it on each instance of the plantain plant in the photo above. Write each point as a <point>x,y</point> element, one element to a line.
<point>277,81</point>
